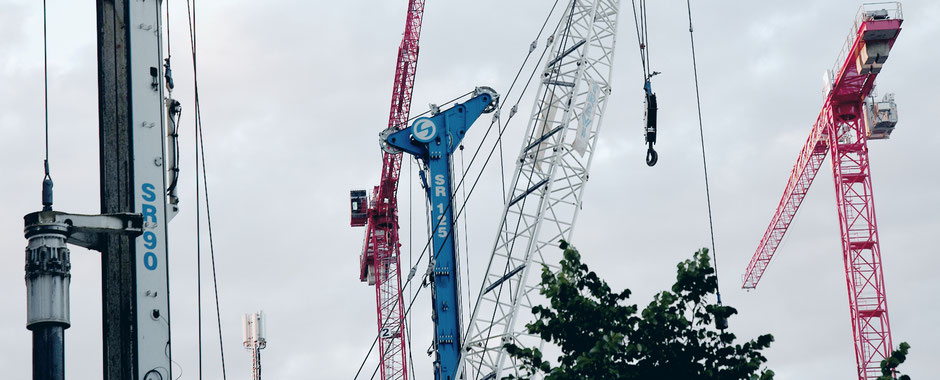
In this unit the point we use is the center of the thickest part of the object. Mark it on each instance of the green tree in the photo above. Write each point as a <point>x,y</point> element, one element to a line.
<point>603,337</point>
<point>890,365</point>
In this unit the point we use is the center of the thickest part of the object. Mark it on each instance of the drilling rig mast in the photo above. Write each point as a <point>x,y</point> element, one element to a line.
<point>433,140</point>
<point>843,129</point>
<point>136,205</point>
<point>379,262</point>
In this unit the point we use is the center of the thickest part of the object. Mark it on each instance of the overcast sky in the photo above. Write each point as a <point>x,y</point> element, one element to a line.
<point>294,94</point>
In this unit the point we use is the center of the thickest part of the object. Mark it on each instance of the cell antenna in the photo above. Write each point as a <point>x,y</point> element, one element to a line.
<point>254,340</point>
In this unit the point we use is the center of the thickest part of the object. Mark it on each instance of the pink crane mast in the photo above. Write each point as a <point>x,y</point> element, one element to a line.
<point>379,261</point>
<point>842,129</point>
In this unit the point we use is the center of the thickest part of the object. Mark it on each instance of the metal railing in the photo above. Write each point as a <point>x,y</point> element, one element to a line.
<point>865,13</point>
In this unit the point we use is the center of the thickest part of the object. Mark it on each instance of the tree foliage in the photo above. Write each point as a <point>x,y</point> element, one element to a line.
<point>601,336</point>
<point>890,365</point>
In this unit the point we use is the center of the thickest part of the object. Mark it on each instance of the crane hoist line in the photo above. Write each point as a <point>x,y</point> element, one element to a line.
<point>649,97</point>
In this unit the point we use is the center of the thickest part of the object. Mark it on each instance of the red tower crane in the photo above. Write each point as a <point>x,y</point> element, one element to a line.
<point>379,263</point>
<point>844,126</point>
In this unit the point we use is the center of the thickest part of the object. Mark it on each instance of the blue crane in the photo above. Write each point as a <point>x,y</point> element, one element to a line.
<point>432,140</point>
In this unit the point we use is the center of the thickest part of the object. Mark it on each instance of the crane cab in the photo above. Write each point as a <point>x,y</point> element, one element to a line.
<point>880,117</point>
<point>358,208</point>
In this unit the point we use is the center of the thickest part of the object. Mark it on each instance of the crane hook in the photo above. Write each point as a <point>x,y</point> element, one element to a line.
<point>650,131</point>
<point>651,156</point>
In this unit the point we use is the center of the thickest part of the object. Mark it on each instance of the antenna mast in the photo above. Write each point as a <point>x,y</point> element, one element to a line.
<point>253,340</point>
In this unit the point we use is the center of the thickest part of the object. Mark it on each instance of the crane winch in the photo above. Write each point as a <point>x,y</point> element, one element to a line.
<point>843,129</point>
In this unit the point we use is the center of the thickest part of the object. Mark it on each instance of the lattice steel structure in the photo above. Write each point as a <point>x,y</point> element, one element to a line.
<point>840,130</point>
<point>548,185</point>
<point>379,262</point>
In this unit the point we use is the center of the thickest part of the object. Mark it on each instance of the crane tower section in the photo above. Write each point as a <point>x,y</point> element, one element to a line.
<point>379,262</point>
<point>842,129</point>
<point>547,187</point>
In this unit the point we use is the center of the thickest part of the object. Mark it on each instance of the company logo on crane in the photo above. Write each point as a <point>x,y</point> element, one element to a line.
<point>424,130</point>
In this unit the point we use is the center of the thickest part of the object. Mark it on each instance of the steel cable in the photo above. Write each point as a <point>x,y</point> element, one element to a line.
<point>47,178</point>
<point>200,152</point>
<point>701,129</point>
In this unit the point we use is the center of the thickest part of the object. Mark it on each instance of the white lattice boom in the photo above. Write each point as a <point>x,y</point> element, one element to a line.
<point>547,186</point>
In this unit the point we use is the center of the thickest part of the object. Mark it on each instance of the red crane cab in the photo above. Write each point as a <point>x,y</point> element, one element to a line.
<point>358,208</point>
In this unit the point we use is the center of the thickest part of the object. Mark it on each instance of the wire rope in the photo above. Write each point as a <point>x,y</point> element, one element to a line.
<point>200,153</point>
<point>410,348</point>
<point>466,231</point>
<point>45,79</point>
<point>169,50</point>
<point>457,235</point>
<point>645,28</point>
<point>215,281</point>
<point>47,178</point>
<point>198,256</point>
<point>502,170</point>
<point>698,103</point>
<point>639,19</point>
<point>189,21</point>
